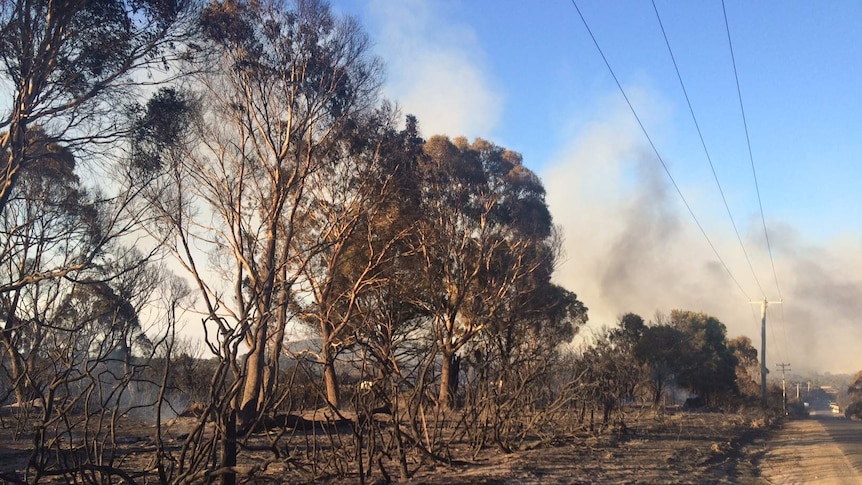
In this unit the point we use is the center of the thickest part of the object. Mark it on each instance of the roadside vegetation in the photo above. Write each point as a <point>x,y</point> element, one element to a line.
<point>853,403</point>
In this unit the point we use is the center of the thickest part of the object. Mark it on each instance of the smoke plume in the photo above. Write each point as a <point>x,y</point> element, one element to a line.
<point>631,246</point>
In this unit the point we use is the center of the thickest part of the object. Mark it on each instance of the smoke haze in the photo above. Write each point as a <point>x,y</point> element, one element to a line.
<point>631,246</point>
<point>434,69</point>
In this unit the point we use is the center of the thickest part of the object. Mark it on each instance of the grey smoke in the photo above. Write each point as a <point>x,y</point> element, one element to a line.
<point>632,246</point>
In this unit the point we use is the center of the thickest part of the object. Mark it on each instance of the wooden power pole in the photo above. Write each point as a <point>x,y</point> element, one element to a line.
<point>763,371</point>
<point>784,369</point>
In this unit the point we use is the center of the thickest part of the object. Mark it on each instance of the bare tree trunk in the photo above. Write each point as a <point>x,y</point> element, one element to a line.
<point>273,367</point>
<point>330,379</point>
<point>444,396</point>
<point>659,388</point>
<point>18,380</point>
<point>252,389</point>
<point>16,363</point>
<point>606,414</point>
<point>399,442</point>
<point>449,371</point>
<point>16,142</point>
<point>228,450</point>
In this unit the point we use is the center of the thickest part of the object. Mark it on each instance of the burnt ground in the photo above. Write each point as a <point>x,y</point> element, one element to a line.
<point>675,447</point>
<point>683,448</point>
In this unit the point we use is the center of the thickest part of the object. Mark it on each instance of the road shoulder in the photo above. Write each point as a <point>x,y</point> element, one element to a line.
<point>803,452</point>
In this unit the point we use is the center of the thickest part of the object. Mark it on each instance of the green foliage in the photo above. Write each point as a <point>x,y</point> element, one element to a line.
<point>690,350</point>
<point>661,348</point>
<point>707,366</point>
<point>70,66</point>
<point>87,43</point>
<point>631,329</point>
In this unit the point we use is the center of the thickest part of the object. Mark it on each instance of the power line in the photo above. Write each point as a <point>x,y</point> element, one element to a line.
<point>750,154</point>
<point>655,150</point>
<point>705,150</point>
<point>753,170</point>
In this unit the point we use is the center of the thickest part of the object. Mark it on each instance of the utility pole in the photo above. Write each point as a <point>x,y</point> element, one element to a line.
<point>784,369</point>
<point>763,305</point>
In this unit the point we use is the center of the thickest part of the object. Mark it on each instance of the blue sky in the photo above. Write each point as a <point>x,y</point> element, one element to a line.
<point>525,75</point>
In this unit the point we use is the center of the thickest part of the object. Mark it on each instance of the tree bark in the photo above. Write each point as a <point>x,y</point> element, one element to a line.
<point>659,387</point>
<point>449,371</point>
<point>18,381</point>
<point>228,449</point>
<point>252,389</point>
<point>273,367</point>
<point>330,379</point>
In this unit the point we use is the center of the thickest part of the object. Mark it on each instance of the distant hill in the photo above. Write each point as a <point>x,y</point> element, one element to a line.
<point>298,346</point>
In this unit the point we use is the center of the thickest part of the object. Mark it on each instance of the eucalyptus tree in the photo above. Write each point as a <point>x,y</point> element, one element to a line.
<point>748,365</point>
<point>608,374</point>
<point>253,187</point>
<point>358,230</point>
<point>532,316</point>
<point>393,319</point>
<point>707,366</point>
<point>70,297</point>
<point>52,231</point>
<point>67,66</point>
<point>515,362</point>
<point>481,233</point>
<point>66,70</point>
<point>660,348</point>
<point>523,339</point>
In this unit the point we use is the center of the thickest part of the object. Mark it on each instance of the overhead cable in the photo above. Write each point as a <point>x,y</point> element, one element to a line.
<point>655,150</point>
<point>705,150</point>
<point>753,170</point>
<point>750,155</point>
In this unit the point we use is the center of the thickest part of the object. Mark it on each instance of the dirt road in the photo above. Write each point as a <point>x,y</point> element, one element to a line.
<point>823,449</point>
